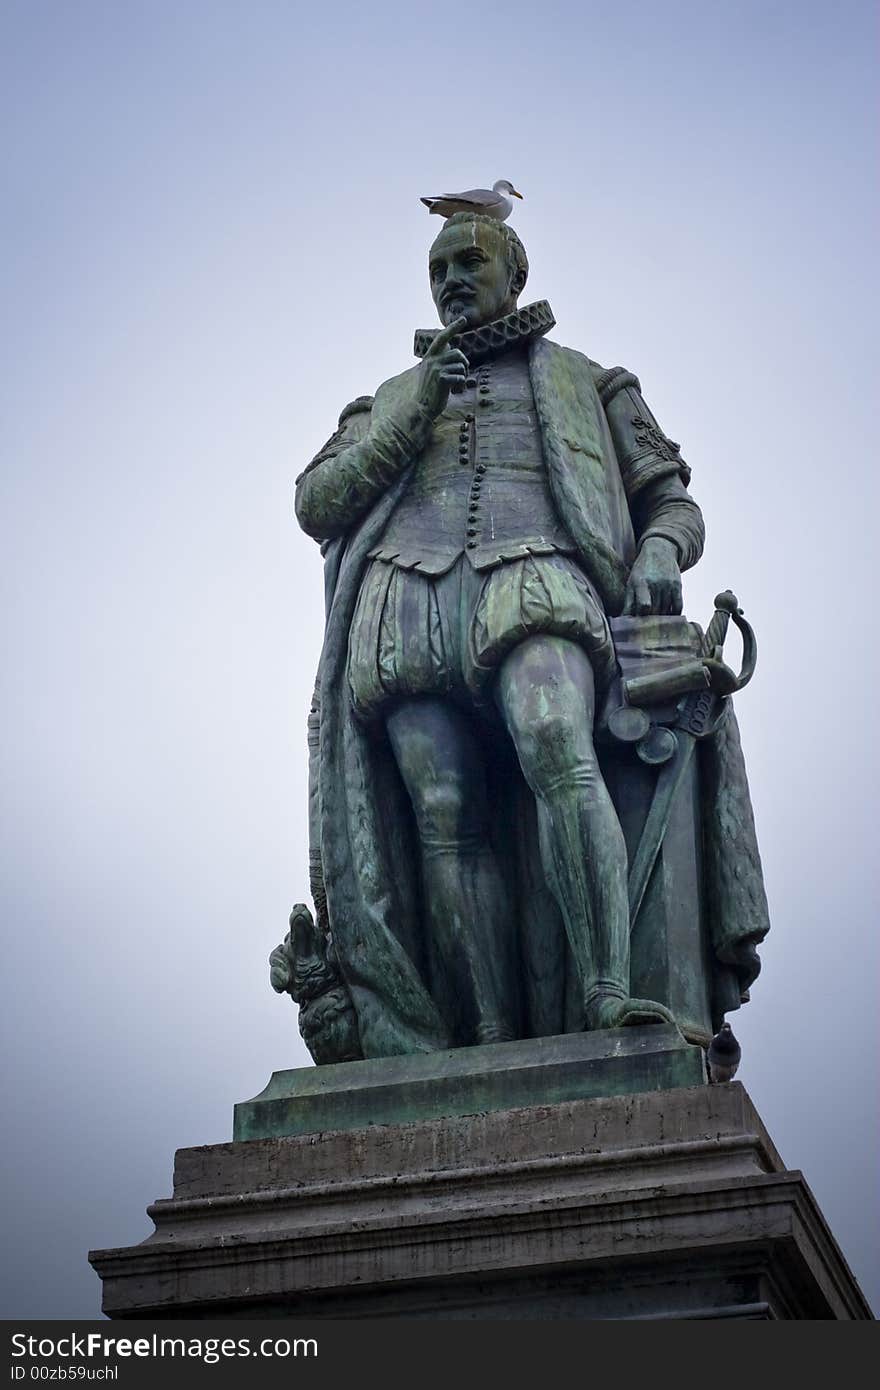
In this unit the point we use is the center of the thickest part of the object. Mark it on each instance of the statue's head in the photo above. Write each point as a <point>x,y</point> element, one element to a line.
<point>478,267</point>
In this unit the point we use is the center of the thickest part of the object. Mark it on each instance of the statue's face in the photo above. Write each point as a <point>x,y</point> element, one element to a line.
<point>470,274</point>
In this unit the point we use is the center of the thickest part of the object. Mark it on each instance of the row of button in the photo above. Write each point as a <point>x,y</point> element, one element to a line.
<point>482,383</point>
<point>464,440</point>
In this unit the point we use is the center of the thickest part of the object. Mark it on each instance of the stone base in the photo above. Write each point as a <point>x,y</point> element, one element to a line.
<point>467,1080</point>
<point>671,1204</point>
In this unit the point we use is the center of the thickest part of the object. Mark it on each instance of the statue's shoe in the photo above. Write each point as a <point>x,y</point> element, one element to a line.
<point>610,1011</point>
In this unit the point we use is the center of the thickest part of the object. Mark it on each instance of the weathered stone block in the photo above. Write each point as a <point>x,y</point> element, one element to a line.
<point>666,1204</point>
<point>498,1076</point>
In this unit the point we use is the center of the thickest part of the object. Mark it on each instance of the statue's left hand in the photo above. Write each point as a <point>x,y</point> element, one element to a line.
<point>655,580</point>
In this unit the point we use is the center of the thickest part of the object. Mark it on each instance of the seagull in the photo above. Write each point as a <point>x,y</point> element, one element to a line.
<point>489,202</point>
<point>724,1055</point>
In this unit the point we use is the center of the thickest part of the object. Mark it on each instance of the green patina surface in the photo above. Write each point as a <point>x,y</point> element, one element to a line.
<point>512,835</point>
<point>465,1081</point>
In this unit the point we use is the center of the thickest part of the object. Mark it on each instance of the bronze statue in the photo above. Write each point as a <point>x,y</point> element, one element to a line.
<point>504,528</point>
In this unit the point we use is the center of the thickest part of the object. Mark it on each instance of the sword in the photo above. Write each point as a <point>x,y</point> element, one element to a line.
<point>704,685</point>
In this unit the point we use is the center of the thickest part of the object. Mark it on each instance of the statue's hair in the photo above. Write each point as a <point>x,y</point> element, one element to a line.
<point>517,259</point>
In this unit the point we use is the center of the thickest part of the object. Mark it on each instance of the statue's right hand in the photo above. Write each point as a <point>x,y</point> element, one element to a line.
<point>442,368</point>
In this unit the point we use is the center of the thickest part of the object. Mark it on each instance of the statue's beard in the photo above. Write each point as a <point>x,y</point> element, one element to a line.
<point>453,308</point>
<point>475,314</point>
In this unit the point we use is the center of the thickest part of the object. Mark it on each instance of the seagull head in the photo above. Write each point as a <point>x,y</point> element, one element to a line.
<point>505,186</point>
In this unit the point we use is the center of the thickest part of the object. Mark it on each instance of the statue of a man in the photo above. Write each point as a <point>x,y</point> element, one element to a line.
<point>481,520</point>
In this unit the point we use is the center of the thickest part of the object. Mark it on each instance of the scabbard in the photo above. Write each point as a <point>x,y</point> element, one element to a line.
<point>669,780</point>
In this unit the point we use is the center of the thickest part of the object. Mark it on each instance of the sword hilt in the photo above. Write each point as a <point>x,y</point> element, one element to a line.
<point>708,671</point>
<point>721,678</point>
<point>725,605</point>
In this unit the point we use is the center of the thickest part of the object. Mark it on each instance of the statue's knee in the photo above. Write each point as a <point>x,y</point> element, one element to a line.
<point>441,808</point>
<point>556,749</point>
<point>548,737</point>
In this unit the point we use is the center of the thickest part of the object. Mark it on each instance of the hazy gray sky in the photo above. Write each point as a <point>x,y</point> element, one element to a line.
<point>212,241</point>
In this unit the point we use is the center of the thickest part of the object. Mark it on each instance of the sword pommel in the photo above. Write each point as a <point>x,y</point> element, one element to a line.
<point>727,602</point>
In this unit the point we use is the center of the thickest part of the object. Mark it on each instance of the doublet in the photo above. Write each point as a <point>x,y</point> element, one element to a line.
<point>474,558</point>
<point>545,452</point>
<point>479,487</point>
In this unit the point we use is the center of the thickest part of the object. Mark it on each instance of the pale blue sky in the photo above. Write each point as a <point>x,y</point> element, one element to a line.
<point>212,241</point>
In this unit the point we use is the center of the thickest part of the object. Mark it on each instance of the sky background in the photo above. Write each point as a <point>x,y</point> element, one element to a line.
<point>212,240</point>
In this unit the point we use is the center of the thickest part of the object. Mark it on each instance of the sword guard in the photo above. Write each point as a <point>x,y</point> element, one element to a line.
<point>721,679</point>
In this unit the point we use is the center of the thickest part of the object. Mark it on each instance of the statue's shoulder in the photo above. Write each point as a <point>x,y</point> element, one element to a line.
<point>553,351</point>
<point>353,423</point>
<point>607,380</point>
<point>361,405</point>
<point>392,389</point>
<point>567,358</point>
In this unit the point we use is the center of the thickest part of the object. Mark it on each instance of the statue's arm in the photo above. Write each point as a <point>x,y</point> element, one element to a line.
<point>667,522</point>
<point>654,474</point>
<point>350,474</point>
<point>664,509</point>
<point>366,454</point>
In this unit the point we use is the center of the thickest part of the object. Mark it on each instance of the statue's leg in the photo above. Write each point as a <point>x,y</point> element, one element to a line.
<point>468,917</point>
<point>545,691</point>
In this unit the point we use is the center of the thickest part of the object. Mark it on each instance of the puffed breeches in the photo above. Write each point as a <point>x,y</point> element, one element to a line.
<point>415,634</point>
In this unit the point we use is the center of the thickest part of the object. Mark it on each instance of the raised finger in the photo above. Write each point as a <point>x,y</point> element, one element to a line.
<point>445,334</point>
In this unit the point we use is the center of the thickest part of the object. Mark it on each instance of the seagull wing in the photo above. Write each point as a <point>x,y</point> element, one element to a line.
<point>474,200</point>
<point>477,197</point>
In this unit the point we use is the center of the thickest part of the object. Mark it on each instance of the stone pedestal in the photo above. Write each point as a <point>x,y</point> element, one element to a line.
<point>469,1080</point>
<point>663,1203</point>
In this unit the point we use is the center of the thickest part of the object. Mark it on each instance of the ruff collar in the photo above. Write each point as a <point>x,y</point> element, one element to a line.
<point>514,329</point>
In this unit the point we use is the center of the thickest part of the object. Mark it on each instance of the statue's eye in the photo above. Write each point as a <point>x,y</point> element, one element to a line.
<point>436,272</point>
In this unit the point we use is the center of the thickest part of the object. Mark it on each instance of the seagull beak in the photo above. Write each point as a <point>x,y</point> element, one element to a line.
<point>515,194</point>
